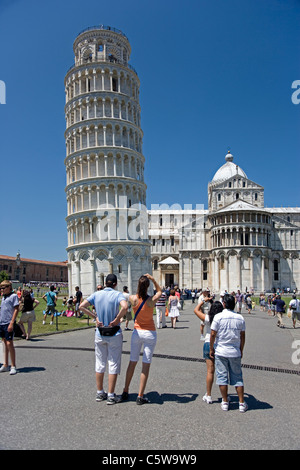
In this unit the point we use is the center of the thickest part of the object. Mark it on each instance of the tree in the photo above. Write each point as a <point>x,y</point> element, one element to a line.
<point>3,276</point>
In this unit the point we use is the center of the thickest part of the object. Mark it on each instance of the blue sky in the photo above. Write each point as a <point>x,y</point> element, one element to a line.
<point>214,75</point>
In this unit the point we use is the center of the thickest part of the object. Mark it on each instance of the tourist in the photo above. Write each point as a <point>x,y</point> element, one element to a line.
<point>78,298</point>
<point>173,307</point>
<point>51,300</point>
<point>239,300</point>
<point>248,303</point>
<point>19,293</point>
<point>262,302</point>
<point>161,311</point>
<point>144,334</point>
<point>294,306</point>
<point>273,306</point>
<point>280,310</point>
<point>215,307</point>
<point>206,307</point>
<point>128,315</point>
<point>28,314</point>
<point>8,314</point>
<point>269,302</point>
<point>228,337</point>
<point>70,306</point>
<point>110,306</point>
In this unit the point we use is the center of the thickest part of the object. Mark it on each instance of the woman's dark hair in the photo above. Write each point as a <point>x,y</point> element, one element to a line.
<point>172,292</point>
<point>142,288</point>
<point>26,293</point>
<point>216,307</point>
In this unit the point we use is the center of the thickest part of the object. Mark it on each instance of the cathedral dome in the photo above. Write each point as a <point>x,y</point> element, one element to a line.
<point>228,170</point>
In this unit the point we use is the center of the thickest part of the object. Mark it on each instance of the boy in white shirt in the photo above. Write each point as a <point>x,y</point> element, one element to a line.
<point>228,334</point>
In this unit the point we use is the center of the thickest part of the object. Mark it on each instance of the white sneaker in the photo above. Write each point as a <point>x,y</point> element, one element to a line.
<point>51,323</point>
<point>243,407</point>
<point>4,369</point>
<point>224,405</point>
<point>207,398</point>
<point>13,370</point>
<point>44,323</point>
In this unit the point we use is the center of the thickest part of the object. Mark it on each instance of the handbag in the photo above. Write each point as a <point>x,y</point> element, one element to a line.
<point>167,312</point>
<point>18,333</point>
<point>108,330</point>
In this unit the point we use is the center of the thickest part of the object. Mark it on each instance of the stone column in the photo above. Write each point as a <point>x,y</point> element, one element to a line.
<point>239,281</point>
<point>263,273</point>
<point>77,272</point>
<point>129,279</point>
<point>251,271</point>
<point>93,277</point>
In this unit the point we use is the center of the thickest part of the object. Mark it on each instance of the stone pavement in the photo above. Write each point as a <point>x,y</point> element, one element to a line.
<point>50,403</point>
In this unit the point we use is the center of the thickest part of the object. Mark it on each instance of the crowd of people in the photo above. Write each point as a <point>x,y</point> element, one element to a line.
<point>222,328</point>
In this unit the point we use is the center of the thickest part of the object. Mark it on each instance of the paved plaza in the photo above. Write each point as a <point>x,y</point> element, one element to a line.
<point>50,403</point>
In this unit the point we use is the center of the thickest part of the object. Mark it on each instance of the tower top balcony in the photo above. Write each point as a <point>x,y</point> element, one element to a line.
<point>104,28</point>
<point>102,44</point>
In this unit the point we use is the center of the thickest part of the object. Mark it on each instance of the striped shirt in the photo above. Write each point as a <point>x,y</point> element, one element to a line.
<point>162,300</point>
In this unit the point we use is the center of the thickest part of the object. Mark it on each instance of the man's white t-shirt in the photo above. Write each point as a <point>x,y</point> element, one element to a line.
<point>228,325</point>
<point>296,304</point>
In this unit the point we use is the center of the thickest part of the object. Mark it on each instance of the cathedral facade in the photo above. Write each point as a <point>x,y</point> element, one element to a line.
<point>236,243</point>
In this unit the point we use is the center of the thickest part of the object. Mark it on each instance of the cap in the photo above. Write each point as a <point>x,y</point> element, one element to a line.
<point>111,278</point>
<point>5,283</point>
<point>206,289</point>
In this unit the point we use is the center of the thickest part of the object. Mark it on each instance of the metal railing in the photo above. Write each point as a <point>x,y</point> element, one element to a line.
<point>103,27</point>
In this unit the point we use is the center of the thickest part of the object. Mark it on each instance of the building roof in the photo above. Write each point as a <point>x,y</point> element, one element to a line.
<point>240,205</point>
<point>283,210</point>
<point>169,260</point>
<point>26,260</point>
<point>228,170</point>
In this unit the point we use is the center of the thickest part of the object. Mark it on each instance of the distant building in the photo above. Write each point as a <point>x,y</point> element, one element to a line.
<point>32,270</point>
<point>236,244</point>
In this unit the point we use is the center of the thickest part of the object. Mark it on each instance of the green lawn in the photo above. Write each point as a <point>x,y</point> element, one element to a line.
<point>60,323</point>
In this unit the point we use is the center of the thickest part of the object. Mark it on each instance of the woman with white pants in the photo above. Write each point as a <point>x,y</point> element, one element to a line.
<point>144,334</point>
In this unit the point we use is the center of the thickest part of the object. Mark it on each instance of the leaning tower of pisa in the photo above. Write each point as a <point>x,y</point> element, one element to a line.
<point>106,194</point>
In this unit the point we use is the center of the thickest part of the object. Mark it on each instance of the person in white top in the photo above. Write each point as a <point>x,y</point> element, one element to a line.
<point>207,319</point>
<point>227,340</point>
<point>294,306</point>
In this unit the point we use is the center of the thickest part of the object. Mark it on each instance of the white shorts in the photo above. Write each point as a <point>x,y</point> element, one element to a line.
<point>108,349</point>
<point>140,338</point>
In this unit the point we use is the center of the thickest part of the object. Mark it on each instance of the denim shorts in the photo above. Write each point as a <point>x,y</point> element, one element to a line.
<point>4,333</point>
<point>229,368</point>
<point>206,349</point>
